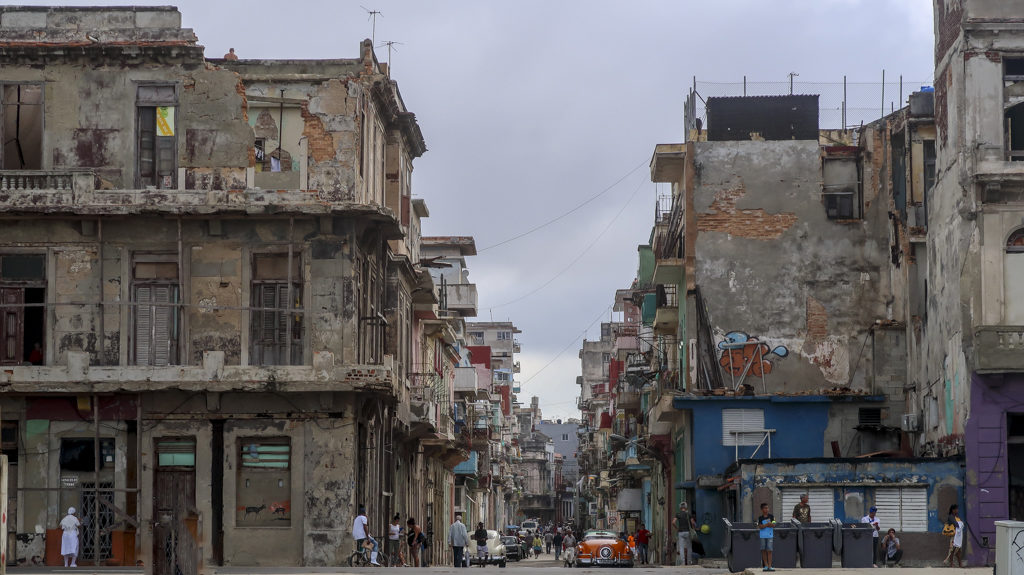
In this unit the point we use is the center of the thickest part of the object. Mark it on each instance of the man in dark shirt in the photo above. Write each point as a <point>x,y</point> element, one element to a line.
<point>766,525</point>
<point>802,511</point>
<point>684,523</point>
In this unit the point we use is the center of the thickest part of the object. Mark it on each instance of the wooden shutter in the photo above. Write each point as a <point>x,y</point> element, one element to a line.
<point>12,332</point>
<point>147,146</point>
<point>270,326</point>
<point>143,325</point>
<point>156,326</point>
<point>747,420</point>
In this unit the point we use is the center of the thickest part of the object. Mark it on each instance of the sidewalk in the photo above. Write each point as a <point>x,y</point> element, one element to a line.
<point>893,570</point>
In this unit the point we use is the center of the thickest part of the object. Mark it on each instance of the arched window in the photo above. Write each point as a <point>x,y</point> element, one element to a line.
<point>1015,243</point>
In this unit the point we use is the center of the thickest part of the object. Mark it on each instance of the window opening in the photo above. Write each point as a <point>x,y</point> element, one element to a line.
<point>270,321</point>
<point>22,325</point>
<point>22,127</point>
<point>155,293</point>
<point>1015,243</point>
<point>264,482</point>
<point>157,145</point>
<point>9,440</point>
<point>78,454</point>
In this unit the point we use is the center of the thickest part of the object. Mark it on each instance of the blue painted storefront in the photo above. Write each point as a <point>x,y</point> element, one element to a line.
<point>799,423</point>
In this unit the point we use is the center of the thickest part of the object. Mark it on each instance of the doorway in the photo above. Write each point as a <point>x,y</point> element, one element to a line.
<point>1015,464</point>
<point>174,508</point>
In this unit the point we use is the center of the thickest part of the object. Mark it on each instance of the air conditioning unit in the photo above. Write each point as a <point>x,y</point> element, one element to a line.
<point>911,422</point>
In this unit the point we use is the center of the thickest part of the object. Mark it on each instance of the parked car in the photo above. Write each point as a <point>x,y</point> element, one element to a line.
<point>527,527</point>
<point>603,548</point>
<point>513,549</point>
<point>495,551</point>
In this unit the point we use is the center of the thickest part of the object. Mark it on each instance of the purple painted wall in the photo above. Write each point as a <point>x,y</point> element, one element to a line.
<point>992,396</point>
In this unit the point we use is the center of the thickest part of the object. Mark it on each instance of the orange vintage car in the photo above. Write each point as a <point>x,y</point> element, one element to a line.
<point>602,548</point>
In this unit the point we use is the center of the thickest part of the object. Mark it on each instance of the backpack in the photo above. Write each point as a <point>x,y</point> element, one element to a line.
<point>949,530</point>
<point>421,538</point>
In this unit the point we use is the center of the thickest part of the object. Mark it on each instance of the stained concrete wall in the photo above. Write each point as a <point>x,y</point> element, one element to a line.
<point>772,266</point>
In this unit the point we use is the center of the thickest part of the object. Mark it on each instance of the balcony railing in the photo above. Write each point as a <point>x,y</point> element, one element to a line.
<point>999,348</point>
<point>14,180</point>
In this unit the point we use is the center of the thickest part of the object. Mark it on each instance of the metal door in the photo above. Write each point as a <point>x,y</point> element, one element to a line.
<point>174,530</point>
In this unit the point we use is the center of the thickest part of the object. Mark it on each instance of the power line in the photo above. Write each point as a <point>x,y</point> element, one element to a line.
<point>564,349</point>
<point>555,219</point>
<point>578,257</point>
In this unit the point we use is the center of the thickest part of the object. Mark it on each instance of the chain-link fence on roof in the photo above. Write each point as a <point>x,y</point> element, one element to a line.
<point>840,104</point>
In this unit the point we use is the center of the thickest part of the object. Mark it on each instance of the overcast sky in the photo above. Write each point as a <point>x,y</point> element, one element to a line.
<point>529,108</point>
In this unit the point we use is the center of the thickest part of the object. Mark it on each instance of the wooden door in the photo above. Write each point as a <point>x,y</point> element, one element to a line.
<point>175,547</point>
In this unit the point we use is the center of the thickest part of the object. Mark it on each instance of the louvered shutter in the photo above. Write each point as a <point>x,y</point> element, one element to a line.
<point>143,325</point>
<point>821,500</point>
<point>914,509</point>
<point>887,500</point>
<point>11,330</point>
<point>163,325</point>
<point>744,420</point>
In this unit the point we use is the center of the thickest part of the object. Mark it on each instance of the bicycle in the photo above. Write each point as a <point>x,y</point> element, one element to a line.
<point>361,558</point>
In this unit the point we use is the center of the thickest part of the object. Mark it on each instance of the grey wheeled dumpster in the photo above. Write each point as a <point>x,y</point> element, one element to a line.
<point>784,553</point>
<point>815,542</point>
<point>742,547</point>
<point>858,545</point>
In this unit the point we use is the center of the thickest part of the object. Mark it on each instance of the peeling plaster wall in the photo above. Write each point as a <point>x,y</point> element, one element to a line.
<point>772,266</point>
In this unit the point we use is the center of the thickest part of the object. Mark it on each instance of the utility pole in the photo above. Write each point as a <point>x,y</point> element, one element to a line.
<point>791,76</point>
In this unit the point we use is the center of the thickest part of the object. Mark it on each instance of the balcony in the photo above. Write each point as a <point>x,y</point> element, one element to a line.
<point>466,380</point>
<point>628,400</point>
<point>666,315</point>
<point>74,192</point>
<point>999,348</point>
<point>212,375</point>
<point>461,298</point>
<point>515,346</point>
<point>469,466</point>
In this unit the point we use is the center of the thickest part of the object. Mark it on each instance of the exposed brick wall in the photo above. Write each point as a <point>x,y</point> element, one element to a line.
<point>817,324</point>
<point>754,224</point>
<point>321,143</point>
<point>948,17</point>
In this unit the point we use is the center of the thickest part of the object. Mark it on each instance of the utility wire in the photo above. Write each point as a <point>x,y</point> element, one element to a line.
<point>564,349</point>
<point>557,218</point>
<point>579,256</point>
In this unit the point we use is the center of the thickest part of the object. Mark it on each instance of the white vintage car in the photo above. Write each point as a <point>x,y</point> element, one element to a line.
<point>495,550</point>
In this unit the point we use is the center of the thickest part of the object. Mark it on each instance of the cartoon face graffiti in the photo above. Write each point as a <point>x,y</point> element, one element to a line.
<point>743,353</point>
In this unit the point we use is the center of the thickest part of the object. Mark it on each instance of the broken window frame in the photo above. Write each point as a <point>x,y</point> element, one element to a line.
<point>148,100</point>
<point>284,353</point>
<point>834,194</point>
<point>12,319</point>
<point>6,139</point>
<point>1013,72</point>
<point>171,310</point>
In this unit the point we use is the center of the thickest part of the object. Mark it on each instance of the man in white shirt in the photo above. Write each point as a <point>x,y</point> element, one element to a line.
<point>458,539</point>
<point>873,521</point>
<point>361,532</point>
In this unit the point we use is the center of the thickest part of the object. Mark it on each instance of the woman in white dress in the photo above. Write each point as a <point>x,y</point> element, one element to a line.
<point>69,542</point>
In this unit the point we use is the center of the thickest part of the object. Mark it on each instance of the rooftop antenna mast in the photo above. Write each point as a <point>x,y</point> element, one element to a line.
<point>391,47</point>
<point>373,26</point>
<point>791,76</point>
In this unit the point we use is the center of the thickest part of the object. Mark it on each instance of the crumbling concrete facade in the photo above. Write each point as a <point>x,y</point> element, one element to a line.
<point>209,267</point>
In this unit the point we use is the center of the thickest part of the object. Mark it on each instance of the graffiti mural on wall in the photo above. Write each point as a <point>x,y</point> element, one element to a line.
<point>744,353</point>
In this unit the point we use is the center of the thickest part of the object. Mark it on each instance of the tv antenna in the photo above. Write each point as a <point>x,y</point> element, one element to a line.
<point>391,47</point>
<point>791,76</point>
<point>372,18</point>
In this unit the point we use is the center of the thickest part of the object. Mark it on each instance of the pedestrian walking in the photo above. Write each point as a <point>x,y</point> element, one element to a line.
<point>458,539</point>
<point>956,543</point>
<point>873,521</point>
<point>766,527</point>
<point>69,540</point>
<point>549,539</point>
<point>395,557</point>
<point>643,538</point>
<point>802,511</point>
<point>414,538</point>
<point>556,542</point>
<point>891,547</point>
<point>685,528</point>
<point>480,536</point>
